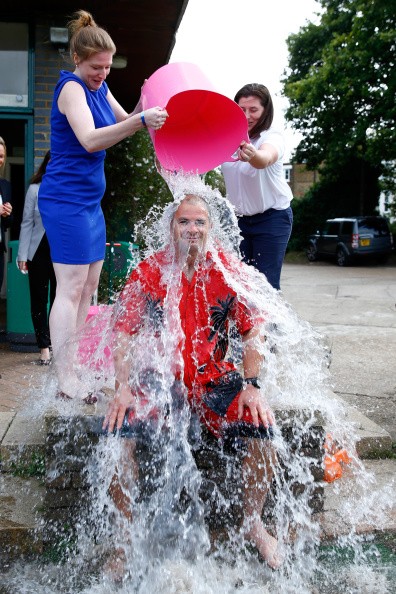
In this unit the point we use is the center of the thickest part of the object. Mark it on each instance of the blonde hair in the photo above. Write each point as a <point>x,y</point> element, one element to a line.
<point>2,143</point>
<point>86,38</point>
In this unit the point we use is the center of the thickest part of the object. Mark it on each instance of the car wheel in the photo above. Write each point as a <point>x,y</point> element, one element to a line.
<point>342,257</point>
<point>312,253</point>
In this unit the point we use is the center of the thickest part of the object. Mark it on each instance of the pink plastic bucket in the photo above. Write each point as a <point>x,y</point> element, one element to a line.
<point>91,352</point>
<point>204,128</point>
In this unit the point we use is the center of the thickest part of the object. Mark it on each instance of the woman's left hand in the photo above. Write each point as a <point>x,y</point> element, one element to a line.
<point>246,151</point>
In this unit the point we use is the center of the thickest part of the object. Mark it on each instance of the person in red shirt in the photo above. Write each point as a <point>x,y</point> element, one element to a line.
<point>185,287</point>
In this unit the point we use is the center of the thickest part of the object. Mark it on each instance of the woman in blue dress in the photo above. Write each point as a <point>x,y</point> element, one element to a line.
<point>85,120</point>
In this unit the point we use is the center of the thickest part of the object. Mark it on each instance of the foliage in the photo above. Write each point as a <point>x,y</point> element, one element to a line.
<point>215,179</point>
<point>333,197</point>
<point>133,186</point>
<point>35,466</point>
<point>341,89</point>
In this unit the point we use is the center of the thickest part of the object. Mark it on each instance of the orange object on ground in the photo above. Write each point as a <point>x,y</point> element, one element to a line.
<point>334,458</point>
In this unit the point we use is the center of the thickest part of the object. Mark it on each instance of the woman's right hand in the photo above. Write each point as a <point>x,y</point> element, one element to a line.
<point>5,209</point>
<point>22,266</point>
<point>155,117</point>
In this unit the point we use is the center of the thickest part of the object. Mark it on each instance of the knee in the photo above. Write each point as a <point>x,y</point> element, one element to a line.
<point>71,291</point>
<point>90,288</point>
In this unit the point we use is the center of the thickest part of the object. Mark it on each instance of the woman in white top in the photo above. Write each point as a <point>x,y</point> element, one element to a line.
<point>34,257</point>
<point>257,188</point>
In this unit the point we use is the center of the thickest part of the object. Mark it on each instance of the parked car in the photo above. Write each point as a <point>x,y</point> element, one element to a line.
<point>347,239</point>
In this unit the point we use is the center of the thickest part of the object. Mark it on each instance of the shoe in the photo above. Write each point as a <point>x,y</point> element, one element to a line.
<point>44,361</point>
<point>91,398</point>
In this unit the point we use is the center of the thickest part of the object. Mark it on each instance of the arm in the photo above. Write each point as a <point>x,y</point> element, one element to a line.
<point>72,103</point>
<point>252,397</point>
<point>260,158</point>
<point>26,227</point>
<point>123,397</point>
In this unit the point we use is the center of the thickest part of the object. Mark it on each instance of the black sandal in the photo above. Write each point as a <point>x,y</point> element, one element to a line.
<point>91,398</point>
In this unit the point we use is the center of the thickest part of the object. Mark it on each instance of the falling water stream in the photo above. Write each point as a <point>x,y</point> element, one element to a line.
<point>169,547</point>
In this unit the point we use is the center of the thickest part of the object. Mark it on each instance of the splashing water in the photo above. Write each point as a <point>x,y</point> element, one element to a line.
<point>168,547</point>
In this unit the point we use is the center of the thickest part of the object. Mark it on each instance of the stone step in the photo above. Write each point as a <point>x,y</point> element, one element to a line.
<point>335,523</point>
<point>372,440</point>
<point>20,520</point>
<point>22,442</point>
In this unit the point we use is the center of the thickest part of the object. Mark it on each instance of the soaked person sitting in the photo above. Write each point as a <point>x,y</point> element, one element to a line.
<point>190,289</point>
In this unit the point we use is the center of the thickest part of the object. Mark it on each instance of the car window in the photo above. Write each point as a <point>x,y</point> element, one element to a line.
<point>331,228</point>
<point>373,226</point>
<point>347,228</point>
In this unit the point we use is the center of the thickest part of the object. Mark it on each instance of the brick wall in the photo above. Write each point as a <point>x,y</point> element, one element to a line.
<point>48,63</point>
<point>301,179</point>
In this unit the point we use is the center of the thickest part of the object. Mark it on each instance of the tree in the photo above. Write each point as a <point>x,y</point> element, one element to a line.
<point>133,186</point>
<point>341,88</point>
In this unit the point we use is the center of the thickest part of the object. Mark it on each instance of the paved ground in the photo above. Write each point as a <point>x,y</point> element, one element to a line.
<point>355,307</point>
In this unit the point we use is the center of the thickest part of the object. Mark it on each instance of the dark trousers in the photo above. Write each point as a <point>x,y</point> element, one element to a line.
<point>265,237</point>
<point>1,264</point>
<point>42,284</point>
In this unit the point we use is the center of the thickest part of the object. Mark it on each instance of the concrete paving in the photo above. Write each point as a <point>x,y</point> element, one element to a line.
<point>355,308</point>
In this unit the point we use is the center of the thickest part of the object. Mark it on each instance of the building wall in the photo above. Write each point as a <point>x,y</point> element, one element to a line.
<point>48,63</point>
<point>301,179</point>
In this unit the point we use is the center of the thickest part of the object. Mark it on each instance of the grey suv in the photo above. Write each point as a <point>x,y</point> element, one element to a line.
<point>350,238</point>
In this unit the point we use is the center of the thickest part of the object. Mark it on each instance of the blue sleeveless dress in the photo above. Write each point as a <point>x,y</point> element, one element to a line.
<point>74,183</point>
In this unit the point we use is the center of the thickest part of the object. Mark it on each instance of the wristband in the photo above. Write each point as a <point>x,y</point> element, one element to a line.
<point>143,120</point>
<point>253,381</point>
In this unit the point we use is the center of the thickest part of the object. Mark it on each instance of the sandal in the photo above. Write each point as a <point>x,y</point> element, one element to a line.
<point>41,361</point>
<point>91,398</point>
<point>44,361</point>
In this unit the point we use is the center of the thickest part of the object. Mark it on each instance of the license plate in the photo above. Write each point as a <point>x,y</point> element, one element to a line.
<point>364,242</point>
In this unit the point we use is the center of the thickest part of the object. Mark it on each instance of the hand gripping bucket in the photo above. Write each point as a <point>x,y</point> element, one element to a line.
<point>204,128</point>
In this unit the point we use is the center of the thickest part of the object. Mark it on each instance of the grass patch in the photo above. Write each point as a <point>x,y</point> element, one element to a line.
<point>382,454</point>
<point>35,467</point>
<point>296,258</point>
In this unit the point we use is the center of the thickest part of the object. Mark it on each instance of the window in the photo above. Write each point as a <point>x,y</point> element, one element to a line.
<point>287,172</point>
<point>347,227</point>
<point>376,227</point>
<point>331,228</point>
<point>14,60</point>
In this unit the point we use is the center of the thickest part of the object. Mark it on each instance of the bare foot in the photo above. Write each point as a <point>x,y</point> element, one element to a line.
<point>266,544</point>
<point>114,567</point>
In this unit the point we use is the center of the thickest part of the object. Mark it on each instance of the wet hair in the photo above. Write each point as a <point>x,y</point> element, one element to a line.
<point>194,199</point>
<point>264,96</point>
<point>86,37</point>
<point>38,175</point>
